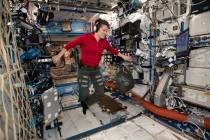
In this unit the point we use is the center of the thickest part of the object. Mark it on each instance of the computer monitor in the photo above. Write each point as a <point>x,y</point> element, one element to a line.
<point>182,46</point>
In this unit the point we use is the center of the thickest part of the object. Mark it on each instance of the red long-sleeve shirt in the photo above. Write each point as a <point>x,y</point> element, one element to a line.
<point>91,50</point>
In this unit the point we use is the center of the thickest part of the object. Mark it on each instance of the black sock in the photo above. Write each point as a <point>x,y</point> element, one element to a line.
<point>84,107</point>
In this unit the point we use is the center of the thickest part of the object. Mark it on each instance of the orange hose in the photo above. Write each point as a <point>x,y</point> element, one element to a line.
<point>110,84</point>
<point>163,112</point>
<point>170,114</point>
<point>207,123</point>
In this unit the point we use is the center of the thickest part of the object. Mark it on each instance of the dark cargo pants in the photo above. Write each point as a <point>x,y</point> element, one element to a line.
<point>85,76</point>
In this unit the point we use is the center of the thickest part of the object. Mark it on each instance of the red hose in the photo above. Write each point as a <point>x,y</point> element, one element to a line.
<point>163,112</point>
<point>207,123</point>
<point>170,114</point>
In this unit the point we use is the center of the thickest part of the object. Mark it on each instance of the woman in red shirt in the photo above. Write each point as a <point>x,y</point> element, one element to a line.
<point>92,46</point>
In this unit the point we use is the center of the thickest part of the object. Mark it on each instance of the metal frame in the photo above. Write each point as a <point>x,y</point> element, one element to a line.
<point>98,129</point>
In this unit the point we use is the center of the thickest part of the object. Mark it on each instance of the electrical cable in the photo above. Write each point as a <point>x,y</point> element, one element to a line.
<point>202,131</point>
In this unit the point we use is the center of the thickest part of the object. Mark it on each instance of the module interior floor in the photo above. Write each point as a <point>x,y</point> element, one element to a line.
<point>74,122</point>
<point>144,128</point>
<point>140,128</point>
